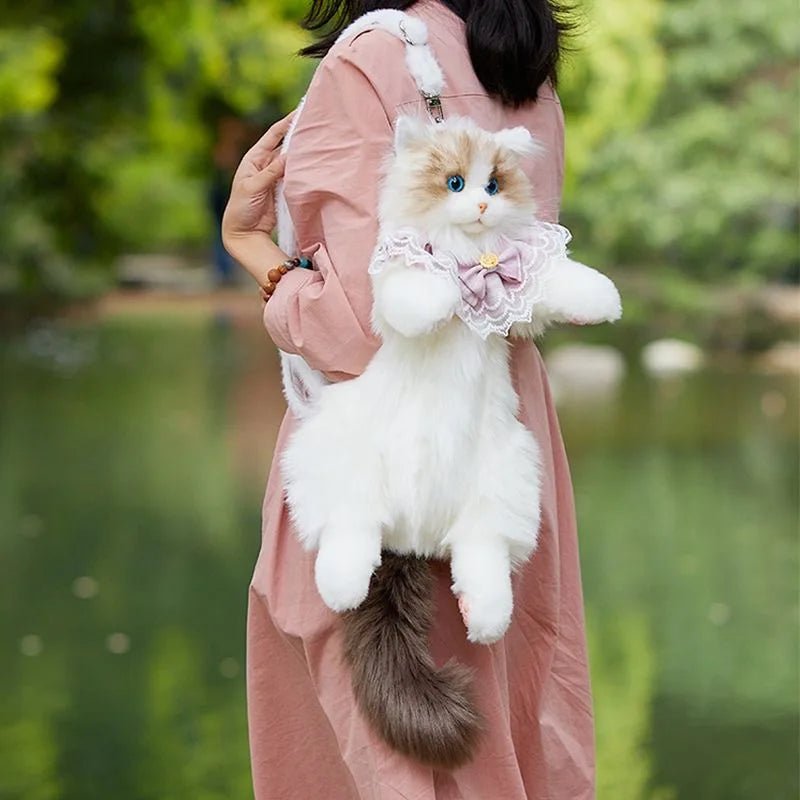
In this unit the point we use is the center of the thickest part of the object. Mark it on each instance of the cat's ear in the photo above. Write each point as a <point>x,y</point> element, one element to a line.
<point>409,131</point>
<point>518,140</point>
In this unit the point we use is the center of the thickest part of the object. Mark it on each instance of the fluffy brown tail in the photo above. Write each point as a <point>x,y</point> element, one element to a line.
<point>421,711</point>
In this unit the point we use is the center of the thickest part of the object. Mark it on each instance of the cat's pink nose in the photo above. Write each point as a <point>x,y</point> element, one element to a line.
<point>483,207</point>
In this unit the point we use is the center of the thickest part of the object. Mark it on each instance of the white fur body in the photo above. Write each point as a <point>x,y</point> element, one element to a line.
<point>423,453</point>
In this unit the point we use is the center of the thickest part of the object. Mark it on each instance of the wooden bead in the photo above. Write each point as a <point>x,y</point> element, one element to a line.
<point>269,287</point>
<point>274,275</point>
<point>283,269</point>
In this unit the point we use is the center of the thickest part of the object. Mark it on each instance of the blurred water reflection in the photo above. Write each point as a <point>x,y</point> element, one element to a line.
<point>133,457</point>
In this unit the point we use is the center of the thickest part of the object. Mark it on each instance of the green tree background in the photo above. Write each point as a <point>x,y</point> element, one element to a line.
<point>682,131</point>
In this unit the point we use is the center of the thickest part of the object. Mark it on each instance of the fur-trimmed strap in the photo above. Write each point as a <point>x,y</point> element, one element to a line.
<point>421,63</point>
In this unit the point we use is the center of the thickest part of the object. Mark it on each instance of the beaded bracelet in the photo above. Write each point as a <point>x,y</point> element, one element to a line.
<point>276,273</point>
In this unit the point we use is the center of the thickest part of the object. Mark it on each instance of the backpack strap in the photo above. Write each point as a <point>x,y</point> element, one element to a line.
<point>421,63</point>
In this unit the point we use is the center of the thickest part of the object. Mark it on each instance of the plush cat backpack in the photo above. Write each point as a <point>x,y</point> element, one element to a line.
<point>422,456</point>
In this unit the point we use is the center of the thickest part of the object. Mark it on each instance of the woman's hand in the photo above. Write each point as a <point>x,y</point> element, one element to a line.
<point>249,217</point>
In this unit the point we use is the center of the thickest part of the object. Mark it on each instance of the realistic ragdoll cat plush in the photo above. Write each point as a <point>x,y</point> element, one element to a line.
<point>423,454</point>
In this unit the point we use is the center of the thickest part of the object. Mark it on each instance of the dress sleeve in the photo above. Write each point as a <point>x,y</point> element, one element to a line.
<point>333,170</point>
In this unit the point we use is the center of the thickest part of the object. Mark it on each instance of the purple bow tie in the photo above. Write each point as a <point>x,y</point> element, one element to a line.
<point>487,282</point>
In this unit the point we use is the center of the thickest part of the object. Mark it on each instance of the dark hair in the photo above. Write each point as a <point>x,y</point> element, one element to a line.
<point>514,45</point>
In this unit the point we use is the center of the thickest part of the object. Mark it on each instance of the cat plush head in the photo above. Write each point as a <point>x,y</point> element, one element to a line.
<point>456,179</point>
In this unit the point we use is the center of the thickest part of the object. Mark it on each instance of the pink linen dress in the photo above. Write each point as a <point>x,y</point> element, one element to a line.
<point>308,741</point>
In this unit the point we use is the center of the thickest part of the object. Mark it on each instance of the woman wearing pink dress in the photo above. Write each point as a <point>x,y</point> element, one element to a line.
<point>308,740</point>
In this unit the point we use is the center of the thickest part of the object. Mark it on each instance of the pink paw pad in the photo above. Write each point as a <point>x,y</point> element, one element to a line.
<point>463,607</point>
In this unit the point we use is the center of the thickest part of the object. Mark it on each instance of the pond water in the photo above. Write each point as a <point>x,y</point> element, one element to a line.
<point>133,456</point>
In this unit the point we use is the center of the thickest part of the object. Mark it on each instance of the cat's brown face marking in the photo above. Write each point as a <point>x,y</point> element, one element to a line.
<point>452,155</point>
<point>419,192</point>
<point>512,181</point>
<point>456,154</point>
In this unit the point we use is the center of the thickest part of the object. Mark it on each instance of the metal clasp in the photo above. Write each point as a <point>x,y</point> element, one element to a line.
<point>402,26</point>
<point>434,105</point>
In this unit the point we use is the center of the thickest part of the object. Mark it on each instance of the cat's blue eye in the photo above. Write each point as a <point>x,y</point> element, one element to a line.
<point>493,187</point>
<point>455,183</point>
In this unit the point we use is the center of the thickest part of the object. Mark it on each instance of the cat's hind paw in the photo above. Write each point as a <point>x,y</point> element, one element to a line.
<point>487,617</point>
<point>343,577</point>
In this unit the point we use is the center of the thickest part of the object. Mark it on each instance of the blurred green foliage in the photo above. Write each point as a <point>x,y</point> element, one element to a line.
<point>689,158</point>
<point>682,130</point>
<point>108,114</point>
<point>30,87</point>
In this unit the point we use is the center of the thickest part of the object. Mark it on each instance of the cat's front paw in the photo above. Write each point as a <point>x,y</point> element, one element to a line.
<point>488,615</point>
<point>581,295</point>
<point>415,302</point>
<point>342,579</point>
<point>600,302</point>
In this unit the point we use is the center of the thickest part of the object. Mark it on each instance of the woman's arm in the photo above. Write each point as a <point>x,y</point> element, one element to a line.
<point>333,170</point>
<point>249,217</point>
